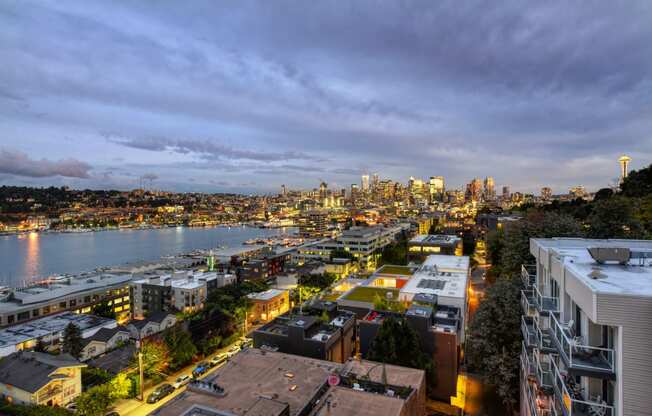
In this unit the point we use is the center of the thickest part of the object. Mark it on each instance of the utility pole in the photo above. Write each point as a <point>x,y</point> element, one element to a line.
<point>140,369</point>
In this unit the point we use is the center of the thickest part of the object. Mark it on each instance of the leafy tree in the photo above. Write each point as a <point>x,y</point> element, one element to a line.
<point>155,357</point>
<point>92,376</point>
<point>494,341</point>
<point>638,183</point>
<point>72,340</point>
<point>95,401</point>
<point>181,347</point>
<point>320,281</point>
<point>120,386</point>
<point>602,194</point>
<point>26,410</point>
<point>395,253</point>
<point>614,218</point>
<point>104,309</point>
<point>398,343</point>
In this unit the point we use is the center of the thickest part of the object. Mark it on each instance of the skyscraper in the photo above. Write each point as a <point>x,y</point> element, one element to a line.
<point>474,190</point>
<point>624,166</point>
<point>506,193</point>
<point>436,187</point>
<point>489,188</point>
<point>546,193</point>
<point>365,183</point>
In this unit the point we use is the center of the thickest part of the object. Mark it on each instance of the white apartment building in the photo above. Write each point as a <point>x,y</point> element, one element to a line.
<point>587,325</point>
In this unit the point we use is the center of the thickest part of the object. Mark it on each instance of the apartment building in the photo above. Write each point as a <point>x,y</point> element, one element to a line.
<point>181,291</point>
<point>587,322</point>
<point>77,294</point>
<point>423,245</point>
<point>268,305</point>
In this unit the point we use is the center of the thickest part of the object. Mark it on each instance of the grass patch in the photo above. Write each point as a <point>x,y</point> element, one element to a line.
<point>399,270</point>
<point>368,294</point>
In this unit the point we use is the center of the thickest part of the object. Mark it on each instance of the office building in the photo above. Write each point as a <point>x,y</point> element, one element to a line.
<point>436,188</point>
<point>423,245</point>
<point>489,189</point>
<point>78,294</point>
<point>260,382</point>
<point>546,193</point>
<point>365,183</point>
<point>313,223</point>
<point>35,378</point>
<point>507,194</point>
<point>474,190</point>
<point>586,327</point>
<point>268,305</point>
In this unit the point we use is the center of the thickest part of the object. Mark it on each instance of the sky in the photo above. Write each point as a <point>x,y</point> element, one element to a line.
<point>245,96</point>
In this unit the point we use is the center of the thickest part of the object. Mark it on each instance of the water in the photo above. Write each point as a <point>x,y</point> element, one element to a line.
<point>25,257</point>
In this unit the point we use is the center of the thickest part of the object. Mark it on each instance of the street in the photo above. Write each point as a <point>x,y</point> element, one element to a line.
<point>134,407</point>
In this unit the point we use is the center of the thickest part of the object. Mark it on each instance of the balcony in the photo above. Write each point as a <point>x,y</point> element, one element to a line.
<point>577,354</point>
<point>527,362</point>
<point>529,275</point>
<point>529,333</point>
<point>538,406</point>
<point>544,337</point>
<point>546,304</point>
<point>528,302</point>
<point>49,393</point>
<point>543,373</point>
<point>570,399</point>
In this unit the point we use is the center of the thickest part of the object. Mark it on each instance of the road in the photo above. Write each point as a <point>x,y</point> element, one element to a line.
<point>134,407</point>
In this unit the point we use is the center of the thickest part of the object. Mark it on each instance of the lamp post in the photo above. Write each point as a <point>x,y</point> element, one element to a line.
<point>141,379</point>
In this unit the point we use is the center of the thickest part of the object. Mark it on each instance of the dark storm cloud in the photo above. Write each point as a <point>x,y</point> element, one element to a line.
<point>545,93</point>
<point>20,164</point>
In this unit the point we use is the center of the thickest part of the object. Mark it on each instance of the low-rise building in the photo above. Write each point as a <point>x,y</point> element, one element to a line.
<point>104,340</point>
<point>35,378</point>
<point>78,294</point>
<point>423,245</point>
<point>153,324</point>
<point>268,305</point>
<point>49,330</point>
<point>309,335</point>
<point>259,382</point>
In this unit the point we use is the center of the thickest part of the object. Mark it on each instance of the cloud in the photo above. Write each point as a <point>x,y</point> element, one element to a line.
<point>207,149</point>
<point>20,164</point>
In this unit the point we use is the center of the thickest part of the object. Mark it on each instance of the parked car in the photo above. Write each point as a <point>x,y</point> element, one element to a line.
<point>72,406</point>
<point>233,351</point>
<point>247,343</point>
<point>201,369</point>
<point>112,414</point>
<point>160,392</point>
<point>218,359</point>
<point>181,381</point>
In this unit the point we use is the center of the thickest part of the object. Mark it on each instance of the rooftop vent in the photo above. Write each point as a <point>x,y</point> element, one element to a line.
<point>615,254</point>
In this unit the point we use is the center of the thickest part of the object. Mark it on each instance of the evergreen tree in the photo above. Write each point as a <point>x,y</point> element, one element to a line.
<point>182,349</point>
<point>72,340</point>
<point>615,218</point>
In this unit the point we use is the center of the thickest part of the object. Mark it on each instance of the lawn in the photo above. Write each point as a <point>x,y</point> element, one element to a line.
<point>399,270</point>
<point>367,294</point>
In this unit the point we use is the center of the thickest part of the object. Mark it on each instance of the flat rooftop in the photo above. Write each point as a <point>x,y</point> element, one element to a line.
<point>441,275</point>
<point>50,325</point>
<point>390,269</point>
<point>633,278</point>
<point>369,293</point>
<point>435,240</point>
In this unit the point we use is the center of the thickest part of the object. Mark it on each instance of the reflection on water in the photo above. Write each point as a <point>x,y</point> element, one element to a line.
<point>27,257</point>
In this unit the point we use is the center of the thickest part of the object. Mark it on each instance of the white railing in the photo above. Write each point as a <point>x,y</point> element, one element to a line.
<point>546,303</point>
<point>572,400</point>
<point>543,338</point>
<point>577,352</point>
<point>529,335</point>
<point>529,274</point>
<point>544,375</point>
<point>527,302</point>
<point>527,362</point>
<point>536,408</point>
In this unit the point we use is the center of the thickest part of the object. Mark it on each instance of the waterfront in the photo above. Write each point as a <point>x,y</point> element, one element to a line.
<point>26,257</point>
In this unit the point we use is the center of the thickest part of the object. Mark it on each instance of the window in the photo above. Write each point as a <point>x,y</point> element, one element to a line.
<point>23,315</point>
<point>10,319</point>
<point>35,313</point>
<point>62,305</point>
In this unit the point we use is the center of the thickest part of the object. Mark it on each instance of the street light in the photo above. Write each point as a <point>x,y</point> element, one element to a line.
<point>141,379</point>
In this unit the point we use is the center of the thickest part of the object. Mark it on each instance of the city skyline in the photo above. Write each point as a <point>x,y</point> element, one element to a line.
<point>244,100</point>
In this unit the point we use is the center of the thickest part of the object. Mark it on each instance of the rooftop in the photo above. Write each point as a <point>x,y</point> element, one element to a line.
<point>30,371</point>
<point>368,294</point>
<point>266,295</point>
<point>435,240</point>
<point>51,325</point>
<point>395,270</point>
<point>441,275</point>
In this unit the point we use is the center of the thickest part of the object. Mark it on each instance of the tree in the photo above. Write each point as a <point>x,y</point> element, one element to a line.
<point>638,183</point>
<point>72,340</point>
<point>398,343</point>
<point>103,309</point>
<point>494,341</point>
<point>615,218</point>
<point>95,401</point>
<point>121,387</point>
<point>182,349</point>
<point>384,304</point>
<point>395,253</point>
<point>155,357</point>
<point>602,194</point>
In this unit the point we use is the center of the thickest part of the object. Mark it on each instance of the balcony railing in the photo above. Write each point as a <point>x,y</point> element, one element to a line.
<point>528,302</point>
<point>537,407</point>
<point>527,362</point>
<point>544,373</point>
<point>529,333</point>
<point>44,396</point>
<point>544,337</point>
<point>546,303</point>
<point>529,274</point>
<point>579,355</point>
<point>570,399</point>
